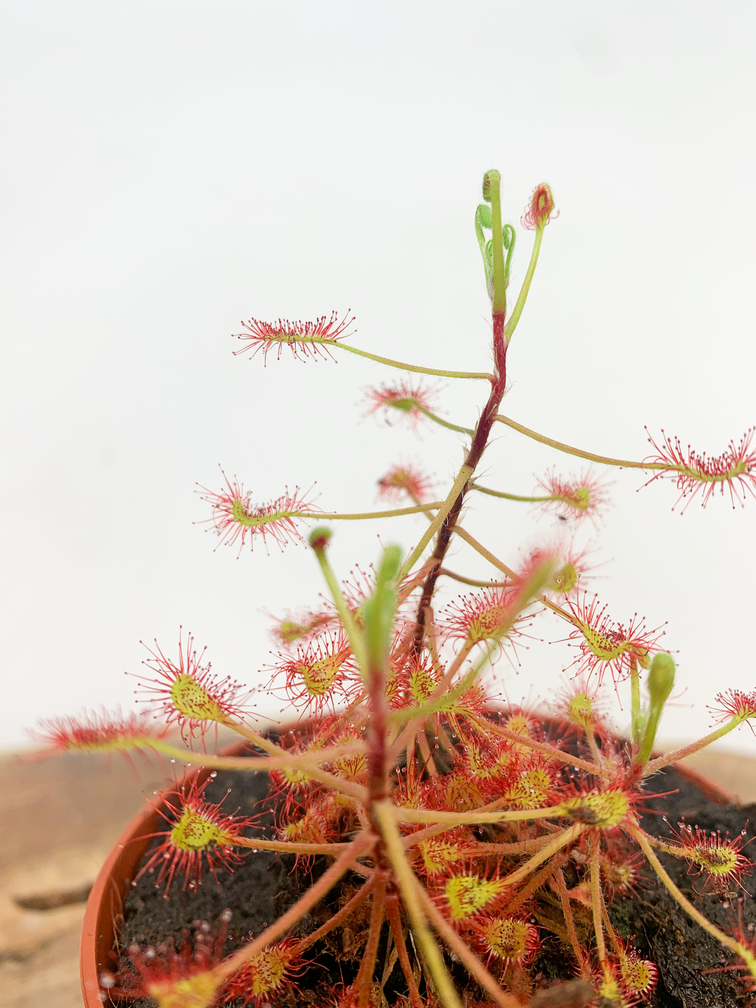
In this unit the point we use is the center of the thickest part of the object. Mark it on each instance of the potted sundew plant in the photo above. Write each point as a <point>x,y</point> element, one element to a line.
<point>440,848</point>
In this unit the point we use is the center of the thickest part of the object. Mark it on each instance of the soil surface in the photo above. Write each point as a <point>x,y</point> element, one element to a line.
<point>694,970</point>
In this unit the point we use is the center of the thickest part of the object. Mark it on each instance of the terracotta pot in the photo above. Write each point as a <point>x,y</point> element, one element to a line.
<point>104,910</point>
<point>105,906</point>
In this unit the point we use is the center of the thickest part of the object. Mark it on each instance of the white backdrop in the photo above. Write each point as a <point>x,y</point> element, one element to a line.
<point>173,167</point>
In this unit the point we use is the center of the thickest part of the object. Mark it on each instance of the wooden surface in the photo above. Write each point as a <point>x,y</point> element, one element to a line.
<point>59,819</point>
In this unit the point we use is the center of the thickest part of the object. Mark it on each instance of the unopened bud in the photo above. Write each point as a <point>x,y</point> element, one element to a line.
<point>490,179</point>
<point>320,538</point>
<point>661,678</point>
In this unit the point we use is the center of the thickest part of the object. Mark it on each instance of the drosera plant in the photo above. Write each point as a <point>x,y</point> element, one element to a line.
<point>441,819</point>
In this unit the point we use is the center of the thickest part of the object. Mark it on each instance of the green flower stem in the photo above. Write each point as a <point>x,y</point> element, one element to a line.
<point>440,422</point>
<point>398,364</point>
<point>678,754</point>
<point>357,848</point>
<point>405,878</point>
<point>522,297</point>
<point>635,703</point>
<point>602,459</point>
<point>499,301</point>
<point>443,510</point>
<point>353,632</point>
<point>735,946</point>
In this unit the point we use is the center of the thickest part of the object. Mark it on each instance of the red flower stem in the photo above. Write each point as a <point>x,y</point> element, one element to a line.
<point>678,754</point>
<point>477,447</point>
<point>338,918</point>
<point>463,952</point>
<point>357,848</point>
<point>543,747</point>
<point>602,459</point>
<point>363,982</point>
<point>740,950</point>
<point>597,900</point>
<point>397,931</point>
<point>564,899</point>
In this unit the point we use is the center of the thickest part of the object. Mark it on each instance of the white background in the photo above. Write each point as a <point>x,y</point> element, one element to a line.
<point>173,167</point>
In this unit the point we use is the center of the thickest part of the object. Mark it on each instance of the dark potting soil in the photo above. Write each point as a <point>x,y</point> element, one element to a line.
<point>695,971</point>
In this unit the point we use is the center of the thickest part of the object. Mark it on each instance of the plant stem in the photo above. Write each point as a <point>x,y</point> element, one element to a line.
<point>384,812</point>
<point>357,848</point>
<point>398,364</point>
<point>579,452</point>
<point>463,952</point>
<point>735,946</point>
<point>333,922</point>
<point>473,582</point>
<point>564,899</point>
<point>462,477</point>
<point>257,843</point>
<point>597,900</point>
<point>678,754</point>
<point>543,747</point>
<point>516,497</point>
<point>363,982</point>
<point>409,815</point>
<point>397,931</point>
<point>354,516</point>
<point>442,423</point>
